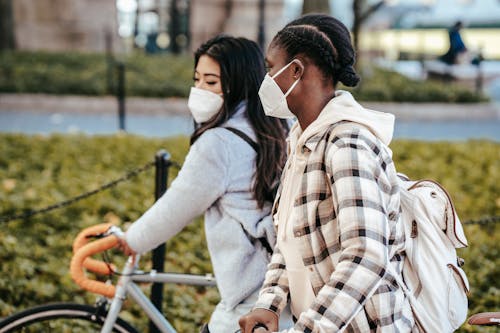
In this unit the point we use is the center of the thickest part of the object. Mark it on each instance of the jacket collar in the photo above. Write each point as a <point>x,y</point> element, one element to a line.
<point>341,108</point>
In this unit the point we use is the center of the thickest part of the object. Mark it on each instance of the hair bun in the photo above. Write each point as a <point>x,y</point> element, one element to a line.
<point>348,76</point>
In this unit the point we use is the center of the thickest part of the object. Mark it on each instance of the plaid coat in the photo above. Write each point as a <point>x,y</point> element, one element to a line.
<point>348,210</point>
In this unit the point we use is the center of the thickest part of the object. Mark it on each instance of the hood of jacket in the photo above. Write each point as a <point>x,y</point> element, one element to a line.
<point>343,107</point>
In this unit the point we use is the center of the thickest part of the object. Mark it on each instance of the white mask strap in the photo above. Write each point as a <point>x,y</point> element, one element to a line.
<point>282,69</point>
<point>291,88</point>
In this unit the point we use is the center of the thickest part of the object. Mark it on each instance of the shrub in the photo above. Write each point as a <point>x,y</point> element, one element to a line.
<point>94,74</point>
<point>171,76</point>
<point>38,171</point>
<point>383,85</point>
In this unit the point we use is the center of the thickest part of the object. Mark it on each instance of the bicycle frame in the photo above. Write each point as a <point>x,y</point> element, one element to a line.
<point>127,286</point>
<point>129,276</point>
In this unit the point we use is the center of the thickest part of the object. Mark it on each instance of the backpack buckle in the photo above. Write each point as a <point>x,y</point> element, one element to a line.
<point>414,230</point>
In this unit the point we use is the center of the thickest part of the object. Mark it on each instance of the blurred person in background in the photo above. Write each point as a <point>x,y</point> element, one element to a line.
<point>230,175</point>
<point>457,52</point>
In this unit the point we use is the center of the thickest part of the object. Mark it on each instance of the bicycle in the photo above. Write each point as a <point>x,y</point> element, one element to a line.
<point>104,315</point>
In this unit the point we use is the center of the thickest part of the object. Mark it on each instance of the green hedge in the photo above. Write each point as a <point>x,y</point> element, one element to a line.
<point>171,76</point>
<point>94,74</point>
<point>383,85</point>
<point>38,171</point>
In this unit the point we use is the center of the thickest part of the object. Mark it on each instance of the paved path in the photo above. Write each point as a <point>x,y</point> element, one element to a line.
<point>439,111</point>
<point>178,106</point>
<point>31,113</point>
<point>90,104</point>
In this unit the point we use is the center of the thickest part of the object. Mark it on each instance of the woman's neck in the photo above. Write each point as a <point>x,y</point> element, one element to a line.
<point>312,106</point>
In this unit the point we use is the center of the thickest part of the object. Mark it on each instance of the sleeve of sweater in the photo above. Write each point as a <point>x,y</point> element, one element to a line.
<point>201,181</point>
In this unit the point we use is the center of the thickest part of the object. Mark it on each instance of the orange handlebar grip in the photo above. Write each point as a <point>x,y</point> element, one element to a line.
<point>96,266</point>
<point>82,237</point>
<point>81,256</point>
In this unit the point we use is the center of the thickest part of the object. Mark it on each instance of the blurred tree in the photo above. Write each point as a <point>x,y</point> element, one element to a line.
<point>316,6</point>
<point>362,11</point>
<point>7,40</point>
<point>174,27</point>
<point>261,32</point>
<point>136,23</point>
<point>228,11</point>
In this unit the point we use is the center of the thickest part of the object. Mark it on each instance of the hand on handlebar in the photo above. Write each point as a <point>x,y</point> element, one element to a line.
<point>259,321</point>
<point>123,246</point>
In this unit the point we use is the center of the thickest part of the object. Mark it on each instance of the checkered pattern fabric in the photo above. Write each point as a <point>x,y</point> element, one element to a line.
<point>348,210</point>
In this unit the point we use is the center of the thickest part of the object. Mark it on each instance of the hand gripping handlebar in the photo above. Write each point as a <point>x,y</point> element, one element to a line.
<point>485,318</point>
<point>82,250</point>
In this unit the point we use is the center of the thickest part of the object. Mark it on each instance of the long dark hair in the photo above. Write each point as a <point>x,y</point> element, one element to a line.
<point>242,71</point>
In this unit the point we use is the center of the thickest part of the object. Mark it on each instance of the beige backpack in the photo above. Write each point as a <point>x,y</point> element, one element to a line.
<point>432,278</point>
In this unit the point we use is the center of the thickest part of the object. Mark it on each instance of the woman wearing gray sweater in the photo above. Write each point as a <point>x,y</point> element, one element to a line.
<point>230,174</point>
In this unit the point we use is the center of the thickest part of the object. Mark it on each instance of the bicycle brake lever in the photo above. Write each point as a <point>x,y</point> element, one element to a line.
<point>114,230</point>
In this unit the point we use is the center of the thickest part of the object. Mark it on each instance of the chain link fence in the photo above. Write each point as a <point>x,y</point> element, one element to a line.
<point>133,173</point>
<point>61,204</point>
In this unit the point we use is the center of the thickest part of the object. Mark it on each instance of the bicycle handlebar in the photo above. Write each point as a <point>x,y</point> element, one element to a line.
<point>96,266</point>
<point>82,250</point>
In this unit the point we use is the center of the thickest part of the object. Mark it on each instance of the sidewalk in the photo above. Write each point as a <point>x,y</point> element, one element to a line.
<point>178,106</point>
<point>91,104</point>
<point>438,111</point>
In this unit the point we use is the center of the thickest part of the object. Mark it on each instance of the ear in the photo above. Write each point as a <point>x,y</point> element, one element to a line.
<point>297,68</point>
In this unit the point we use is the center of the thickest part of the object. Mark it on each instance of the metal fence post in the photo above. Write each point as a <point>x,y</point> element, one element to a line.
<point>120,95</point>
<point>162,164</point>
<point>479,73</point>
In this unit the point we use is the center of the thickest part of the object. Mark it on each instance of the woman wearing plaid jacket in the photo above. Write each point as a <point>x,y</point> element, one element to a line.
<point>338,206</point>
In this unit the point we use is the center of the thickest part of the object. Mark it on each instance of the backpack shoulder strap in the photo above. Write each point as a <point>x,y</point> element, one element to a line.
<point>241,134</point>
<point>245,137</point>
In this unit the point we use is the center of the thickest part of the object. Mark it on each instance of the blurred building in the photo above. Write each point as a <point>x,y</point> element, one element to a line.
<point>61,25</point>
<point>182,25</point>
<point>421,14</point>
<point>416,29</point>
<point>236,17</point>
<point>156,25</point>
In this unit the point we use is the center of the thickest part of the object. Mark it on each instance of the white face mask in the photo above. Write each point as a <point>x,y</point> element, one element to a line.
<point>204,104</point>
<point>272,98</point>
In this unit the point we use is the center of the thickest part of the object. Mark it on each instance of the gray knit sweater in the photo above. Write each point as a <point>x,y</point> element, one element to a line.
<point>216,179</point>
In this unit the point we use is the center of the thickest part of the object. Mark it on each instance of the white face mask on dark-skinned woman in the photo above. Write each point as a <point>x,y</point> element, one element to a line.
<point>204,104</point>
<point>272,98</point>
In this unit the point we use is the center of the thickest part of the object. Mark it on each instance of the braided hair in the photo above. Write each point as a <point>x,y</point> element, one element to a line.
<point>326,41</point>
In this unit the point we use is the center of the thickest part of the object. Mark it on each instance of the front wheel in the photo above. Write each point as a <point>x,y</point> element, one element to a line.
<point>61,318</point>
